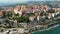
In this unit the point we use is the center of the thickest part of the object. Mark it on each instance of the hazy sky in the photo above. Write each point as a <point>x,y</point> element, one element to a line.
<point>8,2</point>
<point>14,1</point>
<point>24,0</point>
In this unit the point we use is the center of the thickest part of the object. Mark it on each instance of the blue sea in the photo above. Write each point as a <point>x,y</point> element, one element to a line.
<point>55,30</point>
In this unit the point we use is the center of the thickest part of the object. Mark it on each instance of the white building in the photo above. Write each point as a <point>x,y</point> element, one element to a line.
<point>49,17</point>
<point>31,18</point>
<point>53,14</point>
<point>57,13</point>
<point>21,30</point>
<point>19,12</point>
<point>38,17</point>
<point>16,11</point>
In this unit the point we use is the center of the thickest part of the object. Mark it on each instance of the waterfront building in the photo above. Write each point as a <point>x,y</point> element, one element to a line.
<point>21,30</point>
<point>24,25</point>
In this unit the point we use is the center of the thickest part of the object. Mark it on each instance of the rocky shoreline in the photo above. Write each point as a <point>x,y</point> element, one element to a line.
<point>47,28</point>
<point>22,30</point>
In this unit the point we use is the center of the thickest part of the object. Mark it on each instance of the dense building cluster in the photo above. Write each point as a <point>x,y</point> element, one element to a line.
<point>28,16</point>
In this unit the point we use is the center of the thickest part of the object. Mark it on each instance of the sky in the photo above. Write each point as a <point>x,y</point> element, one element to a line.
<point>24,0</point>
<point>18,1</point>
<point>8,2</point>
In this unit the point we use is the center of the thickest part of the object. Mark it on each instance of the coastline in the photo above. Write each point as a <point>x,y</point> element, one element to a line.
<point>47,28</point>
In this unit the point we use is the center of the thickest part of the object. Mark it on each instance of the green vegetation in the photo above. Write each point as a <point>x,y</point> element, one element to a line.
<point>42,20</point>
<point>23,19</point>
<point>19,19</point>
<point>4,15</point>
<point>29,14</point>
<point>13,16</point>
<point>51,11</point>
<point>57,19</point>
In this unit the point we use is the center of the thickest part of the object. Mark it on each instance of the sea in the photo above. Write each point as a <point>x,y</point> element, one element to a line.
<point>55,30</point>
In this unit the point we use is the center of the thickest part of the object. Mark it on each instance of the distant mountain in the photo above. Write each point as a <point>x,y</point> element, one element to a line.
<point>43,2</point>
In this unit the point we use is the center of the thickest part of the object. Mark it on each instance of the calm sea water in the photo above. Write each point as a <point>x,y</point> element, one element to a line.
<point>51,31</point>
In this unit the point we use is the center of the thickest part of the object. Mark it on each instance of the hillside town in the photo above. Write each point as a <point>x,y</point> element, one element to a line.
<point>24,19</point>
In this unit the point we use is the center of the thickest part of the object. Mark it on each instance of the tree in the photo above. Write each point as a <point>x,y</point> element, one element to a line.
<point>10,15</point>
<point>45,14</point>
<point>17,14</point>
<point>51,11</point>
<point>4,15</point>
<point>42,20</point>
<point>46,17</point>
<point>23,19</point>
<point>29,14</point>
<point>41,14</point>
<point>57,19</point>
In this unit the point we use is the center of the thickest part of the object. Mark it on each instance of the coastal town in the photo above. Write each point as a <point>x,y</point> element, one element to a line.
<point>25,19</point>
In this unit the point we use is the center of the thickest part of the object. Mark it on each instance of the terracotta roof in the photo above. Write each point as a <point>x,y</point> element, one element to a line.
<point>1,13</point>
